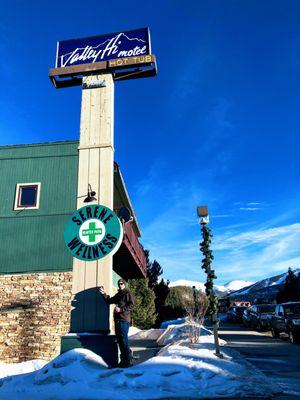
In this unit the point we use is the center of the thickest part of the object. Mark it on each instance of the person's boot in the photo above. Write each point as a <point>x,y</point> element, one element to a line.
<point>122,362</point>
<point>127,362</point>
<point>121,365</point>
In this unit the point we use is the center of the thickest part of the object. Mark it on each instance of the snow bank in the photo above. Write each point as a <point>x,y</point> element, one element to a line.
<point>204,375</point>
<point>150,334</point>
<point>180,370</point>
<point>182,332</point>
<point>20,368</point>
<point>177,321</point>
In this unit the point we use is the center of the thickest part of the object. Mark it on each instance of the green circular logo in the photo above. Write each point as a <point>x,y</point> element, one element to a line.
<point>93,232</point>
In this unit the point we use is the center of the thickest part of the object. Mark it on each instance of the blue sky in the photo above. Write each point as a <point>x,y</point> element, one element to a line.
<point>218,126</point>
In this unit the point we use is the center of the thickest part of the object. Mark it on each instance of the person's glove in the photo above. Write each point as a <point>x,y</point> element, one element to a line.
<point>101,289</point>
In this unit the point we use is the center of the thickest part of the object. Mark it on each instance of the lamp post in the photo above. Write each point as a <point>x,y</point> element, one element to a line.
<point>202,212</point>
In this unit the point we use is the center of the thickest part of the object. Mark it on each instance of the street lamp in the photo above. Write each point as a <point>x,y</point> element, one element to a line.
<point>202,212</point>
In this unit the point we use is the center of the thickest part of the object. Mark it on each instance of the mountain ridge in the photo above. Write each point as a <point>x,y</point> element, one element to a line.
<point>238,287</point>
<point>219,289</point>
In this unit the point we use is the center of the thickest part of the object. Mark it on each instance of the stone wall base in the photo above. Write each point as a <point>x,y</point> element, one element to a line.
<point>34,314</point>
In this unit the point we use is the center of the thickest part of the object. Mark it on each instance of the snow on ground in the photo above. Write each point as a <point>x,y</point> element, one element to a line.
<point>181,369</point>
<point>150,334</point>
<point>183,331</point>
<point>133,330</point>
<point>20,368</point>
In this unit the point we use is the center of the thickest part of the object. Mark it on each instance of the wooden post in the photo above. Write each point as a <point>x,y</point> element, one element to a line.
<point>95,167</point>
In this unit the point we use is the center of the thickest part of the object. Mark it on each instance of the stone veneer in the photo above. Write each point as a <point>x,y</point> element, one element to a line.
<point>34,314</point>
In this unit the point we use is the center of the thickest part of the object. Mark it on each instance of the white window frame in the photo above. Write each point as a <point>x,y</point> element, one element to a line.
<point>17,194</point>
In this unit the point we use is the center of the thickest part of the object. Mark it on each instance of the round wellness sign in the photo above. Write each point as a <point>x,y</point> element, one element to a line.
<point>93,232</point>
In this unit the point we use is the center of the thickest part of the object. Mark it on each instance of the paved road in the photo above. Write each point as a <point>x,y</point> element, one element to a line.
<point>276,358</point>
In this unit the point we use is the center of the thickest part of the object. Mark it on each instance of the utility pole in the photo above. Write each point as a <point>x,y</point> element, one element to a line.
<point>202,212</point>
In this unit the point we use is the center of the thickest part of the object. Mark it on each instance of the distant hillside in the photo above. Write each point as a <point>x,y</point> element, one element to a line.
<point>221,290</point>
<point>266,289</point>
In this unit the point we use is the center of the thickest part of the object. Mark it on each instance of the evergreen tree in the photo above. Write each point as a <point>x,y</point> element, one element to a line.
<point>146,252</point>
<point>154,270</point>
<point>143,315</point>
<point>183,301</point>
<point>291,288</point>
<point>161,291</point>
<point>173,306</point>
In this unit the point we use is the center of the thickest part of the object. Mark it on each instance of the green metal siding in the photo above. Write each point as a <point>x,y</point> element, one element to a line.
<point>32,240</point>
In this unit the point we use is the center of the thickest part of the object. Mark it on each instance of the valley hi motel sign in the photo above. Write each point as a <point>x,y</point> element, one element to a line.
<point>94,231</point>
<point>126,55</point>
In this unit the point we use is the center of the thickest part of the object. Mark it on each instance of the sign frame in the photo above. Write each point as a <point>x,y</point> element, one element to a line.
<point>93,232</point>
<point>94,37</point>
<point>132,68</point>
<point>122,68</point>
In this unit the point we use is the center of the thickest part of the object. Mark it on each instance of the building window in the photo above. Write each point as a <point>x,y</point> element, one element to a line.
<point>27,196</point>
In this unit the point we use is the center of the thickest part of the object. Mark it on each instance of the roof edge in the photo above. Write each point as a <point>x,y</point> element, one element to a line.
<point>10,146</point>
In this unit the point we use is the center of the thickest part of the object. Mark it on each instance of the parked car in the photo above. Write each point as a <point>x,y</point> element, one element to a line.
<point>246,318</point>
<point>260,316</point>
<point>229,314</point>
<point>235,313</point>
<point>287,320</point>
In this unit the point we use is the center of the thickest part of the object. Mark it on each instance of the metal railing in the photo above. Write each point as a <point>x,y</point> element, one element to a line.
<point>136,248</point>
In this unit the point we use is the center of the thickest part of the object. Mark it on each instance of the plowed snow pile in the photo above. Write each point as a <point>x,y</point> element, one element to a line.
<point>181,369</point>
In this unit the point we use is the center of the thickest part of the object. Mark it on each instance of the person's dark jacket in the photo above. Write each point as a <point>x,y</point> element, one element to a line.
<point>124,300</point>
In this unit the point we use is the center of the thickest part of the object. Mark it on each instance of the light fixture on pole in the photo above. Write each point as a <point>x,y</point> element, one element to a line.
<point>90,195</point>
<point>202,212</point>
<point>125,215</point>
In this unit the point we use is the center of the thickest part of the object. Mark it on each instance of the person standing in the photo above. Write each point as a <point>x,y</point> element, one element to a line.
<point>122,318</point>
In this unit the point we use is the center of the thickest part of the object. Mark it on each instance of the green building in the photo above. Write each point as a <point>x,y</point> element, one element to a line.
<point>38,194</point>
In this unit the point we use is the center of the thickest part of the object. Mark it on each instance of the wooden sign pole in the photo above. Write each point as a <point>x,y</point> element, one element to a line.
<point>96,158</point>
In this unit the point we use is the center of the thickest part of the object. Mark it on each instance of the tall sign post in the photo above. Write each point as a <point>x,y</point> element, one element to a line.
<point>96,63</point>
<point>202,212</point>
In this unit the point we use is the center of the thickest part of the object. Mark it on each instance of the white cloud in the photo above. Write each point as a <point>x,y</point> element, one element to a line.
<point>222,215</point>
<point>259,253</point>
<point>149,183</point>
<point>250,208</point>
<point>250,238</point>
<point>243,252</point>
<point>254,254</point>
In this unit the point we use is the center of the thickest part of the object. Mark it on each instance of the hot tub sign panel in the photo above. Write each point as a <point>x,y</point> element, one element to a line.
<point>102,48</point>
<point>93,232</point>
